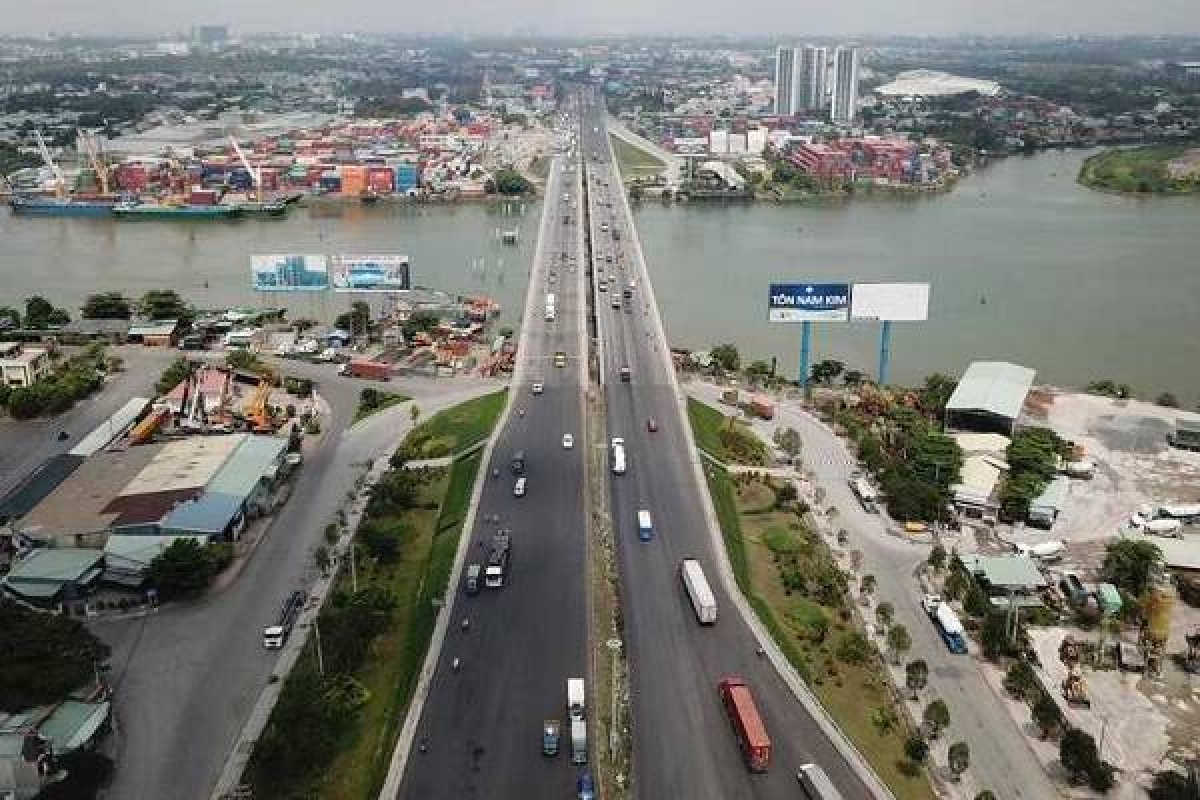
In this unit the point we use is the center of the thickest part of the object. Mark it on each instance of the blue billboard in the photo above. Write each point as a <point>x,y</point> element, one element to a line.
<point>809,302</point>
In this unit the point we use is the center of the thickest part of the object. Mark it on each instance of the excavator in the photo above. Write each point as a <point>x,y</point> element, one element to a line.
<point>257,413</point>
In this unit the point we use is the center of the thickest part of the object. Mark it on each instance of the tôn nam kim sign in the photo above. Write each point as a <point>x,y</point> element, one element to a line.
<point>809,302</point>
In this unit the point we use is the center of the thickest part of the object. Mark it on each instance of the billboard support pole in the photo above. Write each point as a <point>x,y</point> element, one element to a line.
<point>805,348</point>
<point>885,351</point>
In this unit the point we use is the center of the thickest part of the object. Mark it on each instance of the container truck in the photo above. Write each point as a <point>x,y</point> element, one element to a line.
<point>747,723</point>
<point>816,784</point>
<point>495,575</point>
<point>947,623</point>
<point>362,368</point>
<point>578,742</point>
<point>274,636</point>
<point>576,711</point>
<point>698,591</point>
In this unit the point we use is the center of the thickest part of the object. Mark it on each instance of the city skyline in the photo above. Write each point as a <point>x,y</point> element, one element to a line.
<point>937,17</point>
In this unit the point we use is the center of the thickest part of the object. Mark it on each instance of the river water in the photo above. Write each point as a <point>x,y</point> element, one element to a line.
<point>1025,266</point>
<point>452,248</point>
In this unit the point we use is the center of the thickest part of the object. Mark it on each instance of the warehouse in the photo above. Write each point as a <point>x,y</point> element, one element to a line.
<point>989,398</point>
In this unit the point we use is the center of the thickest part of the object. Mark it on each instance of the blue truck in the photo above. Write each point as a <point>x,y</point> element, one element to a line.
<point>947,623</point>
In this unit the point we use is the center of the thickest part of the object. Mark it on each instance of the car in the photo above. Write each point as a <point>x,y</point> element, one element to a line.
<point>537,388</point>
<point>519,487</point>
<point>568,441</point>
<point>584,788</point>
<point>652,425</point>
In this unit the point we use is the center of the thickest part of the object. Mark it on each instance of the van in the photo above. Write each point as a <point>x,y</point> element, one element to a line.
<point>645,526</point>
<point>472,584</point>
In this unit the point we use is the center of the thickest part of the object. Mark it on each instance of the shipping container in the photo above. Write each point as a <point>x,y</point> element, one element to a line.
<point>747,723</point>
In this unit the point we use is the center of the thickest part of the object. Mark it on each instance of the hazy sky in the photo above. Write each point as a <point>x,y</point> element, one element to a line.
<point>609,16</point>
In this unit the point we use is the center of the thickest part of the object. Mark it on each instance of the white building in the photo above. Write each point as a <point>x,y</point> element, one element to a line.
<point>22,366</point>
<point>756,141</point>
<point>844,105</point>
<point>718,142</point>
<point>786,90</point>
<point>813,79</point>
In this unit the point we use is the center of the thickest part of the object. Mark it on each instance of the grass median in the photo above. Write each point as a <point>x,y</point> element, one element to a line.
<point>633,161</point>
<point>725,438</point>
<point>332,736</point>
<point>455,429</point>
<point>372,400</point>
<point>790,578</point>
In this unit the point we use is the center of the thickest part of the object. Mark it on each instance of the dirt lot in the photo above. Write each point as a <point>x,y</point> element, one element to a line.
<point>1135,466</point>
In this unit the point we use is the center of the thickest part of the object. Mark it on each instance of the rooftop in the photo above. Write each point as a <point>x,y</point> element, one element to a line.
<point>165,327</point>
<point>995,387</point>
<point>43,572</point>
<point>138,550</point>
<point>209,513</point>
<point>1005,572</point>
<point>257,456</point>
<point>186,464</point>
<point>1054,496</point>
<point>933,83</point>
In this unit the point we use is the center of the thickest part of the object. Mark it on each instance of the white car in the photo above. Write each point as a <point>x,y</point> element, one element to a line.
<point>519,488</point>
<point>536,388</point>
<point>568,441</point>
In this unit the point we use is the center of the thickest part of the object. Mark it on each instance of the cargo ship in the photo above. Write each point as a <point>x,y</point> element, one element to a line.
<point>160,211</point>
<point>63,206</point>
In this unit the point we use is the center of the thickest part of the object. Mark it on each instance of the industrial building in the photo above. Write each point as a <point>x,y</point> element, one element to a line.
<point>21,365</point>
<point>199,486</point>
<point>989,397</point>
<point>31,740</point>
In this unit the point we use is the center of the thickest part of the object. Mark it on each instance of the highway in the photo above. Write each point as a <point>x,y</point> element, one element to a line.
<point>481,725</point>
<point>684,745</point>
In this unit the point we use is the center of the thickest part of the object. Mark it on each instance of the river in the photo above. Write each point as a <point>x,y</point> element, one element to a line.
<point>454,248</point>
<point>1025,266</point>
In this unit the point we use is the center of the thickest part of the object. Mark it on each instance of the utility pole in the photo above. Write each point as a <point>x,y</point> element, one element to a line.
<point>320,657</point>
<point>353,569</point>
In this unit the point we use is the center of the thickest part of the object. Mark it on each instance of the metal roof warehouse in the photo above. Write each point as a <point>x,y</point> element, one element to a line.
<point>989,397</point>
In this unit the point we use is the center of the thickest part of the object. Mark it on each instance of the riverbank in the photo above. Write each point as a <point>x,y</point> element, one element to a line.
<point>1163,169</point>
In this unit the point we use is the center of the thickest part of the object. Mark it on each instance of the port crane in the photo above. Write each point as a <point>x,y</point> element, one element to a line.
<point>255,174</point>
<point>87,139</point>
<point>60,182</point>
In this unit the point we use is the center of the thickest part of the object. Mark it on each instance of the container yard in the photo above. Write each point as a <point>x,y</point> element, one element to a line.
<point>202,176</point>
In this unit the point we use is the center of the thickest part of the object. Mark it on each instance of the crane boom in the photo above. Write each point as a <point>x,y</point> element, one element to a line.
<point>88,140</point>
<point>60,182</point>
<point>255,177</point>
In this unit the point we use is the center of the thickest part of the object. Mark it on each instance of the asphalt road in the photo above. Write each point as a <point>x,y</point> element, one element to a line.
<point>684,745</point>
<point>188,676</point>
<point>977,716</point>
<point>482,725</point>
<point>27,444</point>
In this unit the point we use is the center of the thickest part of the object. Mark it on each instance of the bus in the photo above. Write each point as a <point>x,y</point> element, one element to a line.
<point>816,783</point>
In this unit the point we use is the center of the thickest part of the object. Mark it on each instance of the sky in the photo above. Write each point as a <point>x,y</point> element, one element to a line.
<point>774,17</point>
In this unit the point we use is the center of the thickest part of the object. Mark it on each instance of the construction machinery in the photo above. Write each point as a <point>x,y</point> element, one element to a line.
<point>257,413</point>
<point>90,146</point>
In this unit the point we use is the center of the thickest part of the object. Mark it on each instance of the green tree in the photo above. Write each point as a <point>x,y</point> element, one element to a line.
<point>357,320</point>
<point>853,648</point>
<point>184,568</point>
<point>1170,785</point>
<point>916,749</point>
<point>172,375</point>
<point>884,614</point>
<point>40,314</point>
<point>1035,451</point>
<point>1167,400</point>
<point>853,377</point>
<point>758,371</point>
<point>916,675</point>
<point>937,557</point>
<point>510,182</point>
<point>159,304</point>
<point>1046,715</point>
<point>1020,680</point>
<point>726,357</point>
<point>44,656</point>
<point>899,641</point>
<point>87,772</point>
<point>825,372</point>
<point>936,393</point>
<point>9,317</point>
<point>107,305</point>
<point>322,558</point>
<point>1131,564</point>
<point>788,440</point>
<point>986,794</point>
<point>867,585</point>
<point>936,718</point>
<point>959,758</point>
<point>1081,759</point>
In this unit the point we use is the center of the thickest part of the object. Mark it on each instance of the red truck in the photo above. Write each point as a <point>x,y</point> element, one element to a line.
<point>362,368</point>
<point>747,724</point>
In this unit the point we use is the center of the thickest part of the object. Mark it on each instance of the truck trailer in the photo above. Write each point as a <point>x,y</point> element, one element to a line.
<point>704,603</point>
<point>746,721</point>
<point>364,368</point>
<point>947,623</point>
<point>274,636</point>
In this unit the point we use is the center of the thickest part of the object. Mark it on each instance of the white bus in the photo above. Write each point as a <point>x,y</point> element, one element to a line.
<point>816,783</point>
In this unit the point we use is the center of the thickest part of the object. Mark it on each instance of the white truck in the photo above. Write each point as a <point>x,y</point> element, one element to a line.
<point>1042,551</point>
<point>704,603</point>
<point>576,711</point>
<point>618,456</point>
<point>274,636</point>
<point>947,622</point>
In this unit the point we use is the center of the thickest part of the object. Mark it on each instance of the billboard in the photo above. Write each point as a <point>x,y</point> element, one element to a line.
<point>893,302</point>
<point>809,302</point>
<point>289,273</point>
<point>379,273</point>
